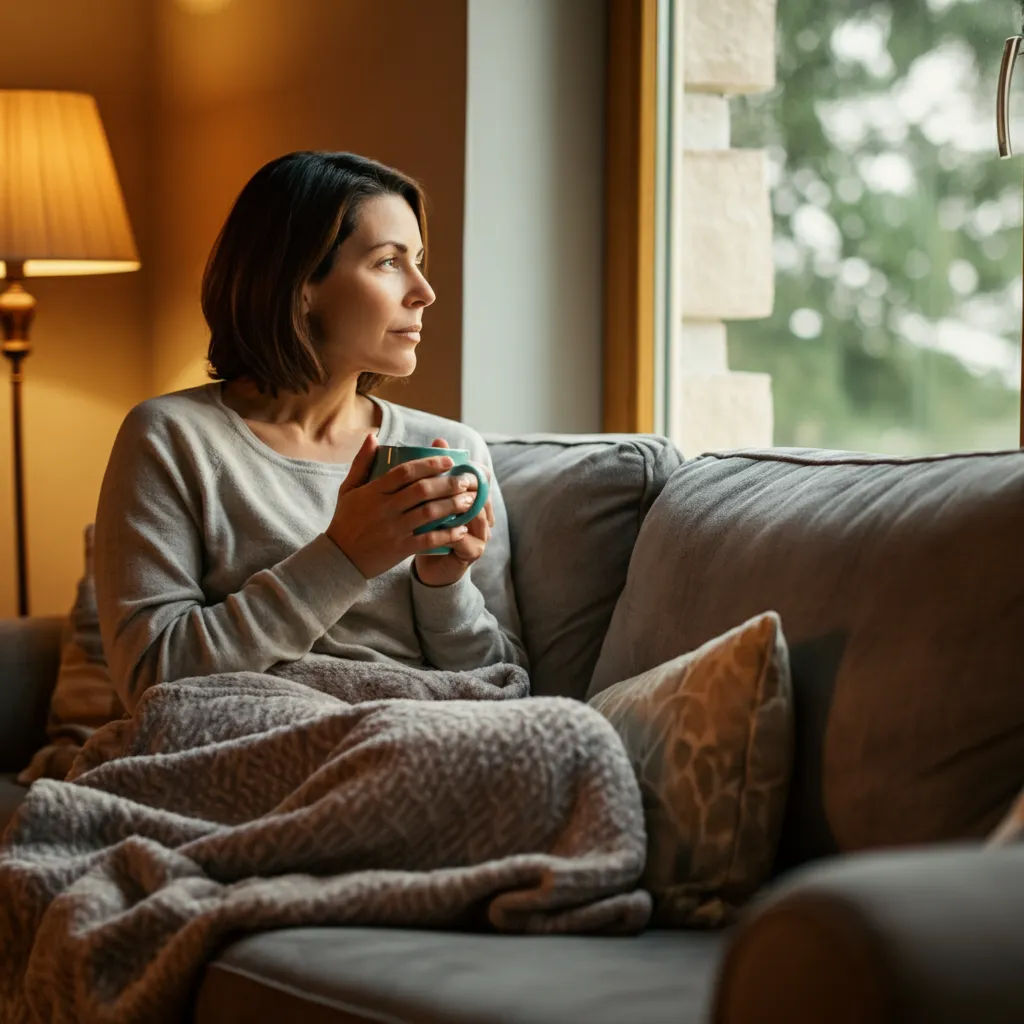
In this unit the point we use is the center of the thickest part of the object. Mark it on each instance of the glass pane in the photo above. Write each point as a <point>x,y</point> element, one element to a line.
<point>897,228</point>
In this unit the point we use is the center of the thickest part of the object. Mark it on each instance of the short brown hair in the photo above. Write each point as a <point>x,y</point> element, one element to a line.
<point>284,230</point>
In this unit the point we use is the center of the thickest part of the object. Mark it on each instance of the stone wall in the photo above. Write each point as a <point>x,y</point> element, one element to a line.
<point>722,244</point>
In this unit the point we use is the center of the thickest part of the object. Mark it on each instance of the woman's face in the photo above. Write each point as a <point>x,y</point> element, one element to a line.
<point>374,291</point>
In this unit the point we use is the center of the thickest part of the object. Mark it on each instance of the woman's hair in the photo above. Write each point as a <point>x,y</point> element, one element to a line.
<point>284,230</point>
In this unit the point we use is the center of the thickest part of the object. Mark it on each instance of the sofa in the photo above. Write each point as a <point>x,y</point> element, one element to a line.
<point>900,587</point>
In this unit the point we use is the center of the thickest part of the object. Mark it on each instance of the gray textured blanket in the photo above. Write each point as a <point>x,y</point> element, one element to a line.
<point>329,792</point>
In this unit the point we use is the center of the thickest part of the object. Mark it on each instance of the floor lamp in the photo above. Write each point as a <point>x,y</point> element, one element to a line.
<point>61,213</point>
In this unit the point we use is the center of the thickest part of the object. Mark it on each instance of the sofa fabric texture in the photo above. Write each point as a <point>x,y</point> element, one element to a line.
<point>31,654</point>
<point>900,584</point>
<point>340,975</point>
<point>575,506</point>
<point>710,737</point>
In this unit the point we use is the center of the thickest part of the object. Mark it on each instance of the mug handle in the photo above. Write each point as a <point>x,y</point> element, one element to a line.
<point>483,489</point>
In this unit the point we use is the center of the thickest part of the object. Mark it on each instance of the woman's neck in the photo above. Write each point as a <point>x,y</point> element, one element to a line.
<point>322,415</point>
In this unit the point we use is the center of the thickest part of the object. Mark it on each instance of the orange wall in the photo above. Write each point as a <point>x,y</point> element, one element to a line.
<point>193,103</point>
<point>260,78</point>
<point>89,362</point>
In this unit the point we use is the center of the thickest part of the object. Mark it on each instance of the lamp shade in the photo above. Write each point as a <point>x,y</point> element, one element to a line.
<point>61,206</point>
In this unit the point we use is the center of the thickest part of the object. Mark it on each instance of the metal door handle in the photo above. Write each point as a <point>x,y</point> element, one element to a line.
<point>1011,48</point>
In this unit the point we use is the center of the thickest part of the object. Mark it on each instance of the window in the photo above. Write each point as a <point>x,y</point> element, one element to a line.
<point>897,229</point>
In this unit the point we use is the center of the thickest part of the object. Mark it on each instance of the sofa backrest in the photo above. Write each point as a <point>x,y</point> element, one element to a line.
<point>29,656</point>
<point>575,505</point>
<point>900,586</point>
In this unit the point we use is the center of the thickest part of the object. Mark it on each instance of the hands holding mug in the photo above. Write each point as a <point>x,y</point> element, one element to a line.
<point>442,569</point>
<point>399,501</point>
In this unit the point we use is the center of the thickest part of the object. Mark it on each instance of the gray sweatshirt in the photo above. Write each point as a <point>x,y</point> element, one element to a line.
<point>211,556</point>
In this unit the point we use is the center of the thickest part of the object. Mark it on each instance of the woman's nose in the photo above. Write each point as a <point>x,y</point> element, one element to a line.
<point>424,294</point>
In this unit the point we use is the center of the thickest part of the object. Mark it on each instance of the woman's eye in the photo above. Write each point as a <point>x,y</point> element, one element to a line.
<point>394,259</point>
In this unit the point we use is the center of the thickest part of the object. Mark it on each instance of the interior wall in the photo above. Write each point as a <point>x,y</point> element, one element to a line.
<point>89,359</point>
<point>195,96</point>
<point>249,81</point>
<point>533,262</point>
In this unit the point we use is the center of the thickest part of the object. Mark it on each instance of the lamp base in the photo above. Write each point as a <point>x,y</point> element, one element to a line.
<point>17,309</point>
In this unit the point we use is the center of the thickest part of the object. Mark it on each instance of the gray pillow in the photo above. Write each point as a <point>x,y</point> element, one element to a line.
<point>901,586</point>
<point>575,504</point>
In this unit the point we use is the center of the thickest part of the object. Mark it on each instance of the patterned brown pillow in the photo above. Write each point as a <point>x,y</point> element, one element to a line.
<point>710,735</point>
<point>84,697</point>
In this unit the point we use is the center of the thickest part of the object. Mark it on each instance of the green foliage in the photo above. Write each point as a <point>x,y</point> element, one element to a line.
<point>888,269</point>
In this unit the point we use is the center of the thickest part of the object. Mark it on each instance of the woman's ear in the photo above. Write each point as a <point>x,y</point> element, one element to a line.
<point>307,298</point>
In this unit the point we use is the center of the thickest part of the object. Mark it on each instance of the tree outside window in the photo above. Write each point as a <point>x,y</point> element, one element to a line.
<point>897,229</point>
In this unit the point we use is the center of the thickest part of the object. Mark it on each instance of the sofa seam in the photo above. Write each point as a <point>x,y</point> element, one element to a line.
<point>559,444</point>
<point>631,440</point>
<point>642,506</point>
<point>645,505</point>
<point>332,1003</point>
<point>856,460</point>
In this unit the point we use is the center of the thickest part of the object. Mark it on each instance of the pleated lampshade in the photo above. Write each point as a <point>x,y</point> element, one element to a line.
<point>61,206</point>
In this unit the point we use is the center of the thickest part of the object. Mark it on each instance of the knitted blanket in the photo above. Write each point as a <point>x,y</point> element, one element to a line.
<point>325,792</point>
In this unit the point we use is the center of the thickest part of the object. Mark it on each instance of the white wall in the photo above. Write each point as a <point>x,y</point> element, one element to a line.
<point>532,257</point>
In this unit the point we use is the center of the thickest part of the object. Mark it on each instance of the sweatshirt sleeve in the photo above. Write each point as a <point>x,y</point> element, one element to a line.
<point>149,552</point>
<point>474,622</point>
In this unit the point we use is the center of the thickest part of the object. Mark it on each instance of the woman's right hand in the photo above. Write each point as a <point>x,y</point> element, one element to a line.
<point>374,520</point>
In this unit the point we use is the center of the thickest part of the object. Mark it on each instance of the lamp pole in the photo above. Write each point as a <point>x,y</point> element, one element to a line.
<point>17,308</point>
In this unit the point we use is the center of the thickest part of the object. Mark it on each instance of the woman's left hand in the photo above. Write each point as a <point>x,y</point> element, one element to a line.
<point>443,570</point>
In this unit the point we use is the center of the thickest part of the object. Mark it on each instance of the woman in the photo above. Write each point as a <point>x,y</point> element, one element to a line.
<point>236,528</point>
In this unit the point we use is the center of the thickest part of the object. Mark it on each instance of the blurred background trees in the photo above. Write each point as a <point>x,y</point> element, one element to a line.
<point>897,228</point>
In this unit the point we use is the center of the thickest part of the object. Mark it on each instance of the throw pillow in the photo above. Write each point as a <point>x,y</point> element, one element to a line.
<point>710,736</point>
<point>84,697</point>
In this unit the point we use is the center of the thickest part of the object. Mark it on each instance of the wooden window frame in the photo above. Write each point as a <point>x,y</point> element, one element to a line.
<point>629,210</point>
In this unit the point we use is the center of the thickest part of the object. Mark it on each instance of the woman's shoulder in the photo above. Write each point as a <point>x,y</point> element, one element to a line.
<point>168,440</point>
<point>172,424</point>
<point>189,406</point>
<point>416,427</point>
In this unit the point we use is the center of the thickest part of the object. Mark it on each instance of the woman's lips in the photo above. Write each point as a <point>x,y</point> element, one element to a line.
<point>411,335</point>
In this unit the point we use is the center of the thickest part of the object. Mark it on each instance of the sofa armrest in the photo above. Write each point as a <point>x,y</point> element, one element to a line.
<point>930,935</point>
<point>29,659</point>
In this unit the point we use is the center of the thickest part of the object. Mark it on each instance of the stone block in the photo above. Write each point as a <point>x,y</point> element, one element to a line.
<point>705,122</point>
<point>712,411</point>
<point>726,264</point>
<point>729,46</point>
<point>700,346</point>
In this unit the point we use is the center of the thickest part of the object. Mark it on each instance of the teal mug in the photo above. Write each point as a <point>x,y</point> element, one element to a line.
<point>391,455</point>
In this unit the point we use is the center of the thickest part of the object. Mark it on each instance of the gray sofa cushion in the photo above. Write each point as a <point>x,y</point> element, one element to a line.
<point>325,975</point>
<point>900,583</point>
<point>575,505</point>
<point>29,656</point>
